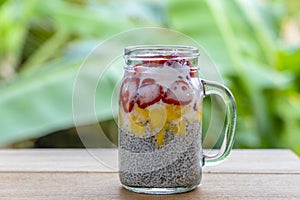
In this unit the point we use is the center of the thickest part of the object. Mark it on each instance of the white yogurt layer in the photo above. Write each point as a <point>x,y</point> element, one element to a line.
<point>165,75</point>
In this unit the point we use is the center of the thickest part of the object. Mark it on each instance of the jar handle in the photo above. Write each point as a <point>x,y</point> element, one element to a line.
<point>213,88</point>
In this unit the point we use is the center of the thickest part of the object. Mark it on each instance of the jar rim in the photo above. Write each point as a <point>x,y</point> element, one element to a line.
<point>152,51</point>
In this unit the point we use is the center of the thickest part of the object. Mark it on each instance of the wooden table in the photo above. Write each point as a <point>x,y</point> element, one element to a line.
<point>75,174</point>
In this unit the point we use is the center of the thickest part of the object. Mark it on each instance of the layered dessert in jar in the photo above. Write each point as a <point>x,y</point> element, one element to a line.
<point>160,124</point>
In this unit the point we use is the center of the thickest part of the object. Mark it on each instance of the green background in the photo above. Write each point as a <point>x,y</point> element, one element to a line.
<point>255,45</point>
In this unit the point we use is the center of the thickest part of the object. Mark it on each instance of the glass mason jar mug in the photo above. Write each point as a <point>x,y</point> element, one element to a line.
<point>160,118</point>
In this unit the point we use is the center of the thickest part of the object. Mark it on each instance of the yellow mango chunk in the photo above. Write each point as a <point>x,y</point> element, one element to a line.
<point>138,120</point>
<point>199,113</point>
<point>173,112</point>
<point>139,116</point>
<point>144,113</point>
<point>167,126</point>
<point>158,117</point>
<point>160,138</point>
<point>171,127</point>
<point>181,127</point>
<point>137,128</point>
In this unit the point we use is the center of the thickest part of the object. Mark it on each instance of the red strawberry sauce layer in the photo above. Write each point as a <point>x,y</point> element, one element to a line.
<point>148,92</point>
<point>127,91</point>
<point>179,93</point>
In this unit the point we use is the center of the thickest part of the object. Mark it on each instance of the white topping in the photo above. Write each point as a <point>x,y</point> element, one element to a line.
<point>165,75</point>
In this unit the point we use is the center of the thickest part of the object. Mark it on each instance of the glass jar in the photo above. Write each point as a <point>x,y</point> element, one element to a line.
<point>160,118</point>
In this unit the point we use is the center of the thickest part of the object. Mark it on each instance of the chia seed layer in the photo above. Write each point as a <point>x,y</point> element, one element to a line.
<point>175,164</point>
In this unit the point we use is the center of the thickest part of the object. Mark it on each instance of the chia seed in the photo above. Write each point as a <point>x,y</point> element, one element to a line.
<point>175,164</point>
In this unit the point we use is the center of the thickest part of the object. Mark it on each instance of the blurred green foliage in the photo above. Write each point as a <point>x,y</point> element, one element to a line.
<point>255,45</point>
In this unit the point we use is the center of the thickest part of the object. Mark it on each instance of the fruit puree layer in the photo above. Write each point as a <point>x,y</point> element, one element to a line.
<point>160,125</point>
<point>156,99</point>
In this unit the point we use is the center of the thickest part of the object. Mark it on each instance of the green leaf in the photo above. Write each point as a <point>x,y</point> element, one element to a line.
<point>15,17</point>
<point>288,110</point>
<point>39,103</point>
<point>233,35</point>
<point>289,59</point>
<point>29,106</point>
<point>266,77</point>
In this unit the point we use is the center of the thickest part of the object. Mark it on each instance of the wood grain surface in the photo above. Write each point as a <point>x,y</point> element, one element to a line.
<point>76,174</point>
